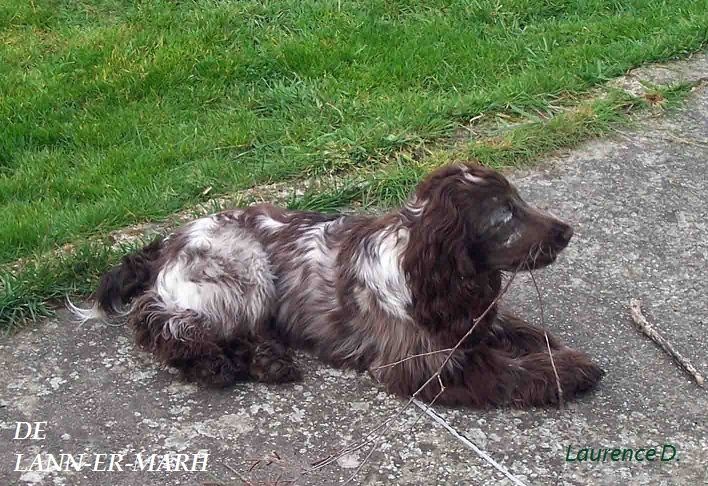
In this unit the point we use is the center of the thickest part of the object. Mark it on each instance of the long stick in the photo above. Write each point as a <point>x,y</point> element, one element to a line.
<point>635,306</point>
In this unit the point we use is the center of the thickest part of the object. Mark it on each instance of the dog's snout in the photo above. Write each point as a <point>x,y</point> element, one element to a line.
<point>562,233</point>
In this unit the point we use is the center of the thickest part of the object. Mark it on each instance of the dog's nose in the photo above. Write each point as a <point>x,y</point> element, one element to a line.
<point>562,233</point>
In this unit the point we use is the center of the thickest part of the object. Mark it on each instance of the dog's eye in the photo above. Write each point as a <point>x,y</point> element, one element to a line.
<point>500,216</point>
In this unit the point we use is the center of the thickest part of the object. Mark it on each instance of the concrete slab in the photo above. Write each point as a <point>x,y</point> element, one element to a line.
<point>639,205</point>
<point>100,395</point>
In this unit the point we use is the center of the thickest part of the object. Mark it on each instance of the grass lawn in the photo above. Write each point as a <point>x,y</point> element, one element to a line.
<point>114,112</point>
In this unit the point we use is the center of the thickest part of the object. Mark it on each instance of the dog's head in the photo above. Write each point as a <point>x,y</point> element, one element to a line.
<point>498,230</point>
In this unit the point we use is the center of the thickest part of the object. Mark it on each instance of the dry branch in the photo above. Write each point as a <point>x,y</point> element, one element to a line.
<point>373,447</point>
<point>471,445</point>
<point>641,322</point>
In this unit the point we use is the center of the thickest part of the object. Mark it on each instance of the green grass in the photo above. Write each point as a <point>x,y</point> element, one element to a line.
<point>28,293</point>
<point>391,184</point>
<point>114,112</point>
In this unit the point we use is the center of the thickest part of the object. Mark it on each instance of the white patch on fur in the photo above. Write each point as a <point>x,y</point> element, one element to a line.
<point>502,218</point>
<point>175,288</point>
<point>382,273</point>
<point>415,206</point>
<point>470,177</point>
<point>270,224</point>
<point>310,277</point>
<point>227,296</point>
<point>316,248</point>
<point>200,231</point>
<point>512,239</point>
<point>475,179</point>
<point>497,218</point>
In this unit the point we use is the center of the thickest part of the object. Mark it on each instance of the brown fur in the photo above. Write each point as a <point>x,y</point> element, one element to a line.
<point>226,297</point>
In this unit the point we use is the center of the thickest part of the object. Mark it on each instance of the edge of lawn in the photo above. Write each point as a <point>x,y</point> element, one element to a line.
<point>32,288</point>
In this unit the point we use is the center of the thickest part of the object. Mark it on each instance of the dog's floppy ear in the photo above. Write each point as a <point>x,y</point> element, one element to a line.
<point>443,235</point>
<point>441,272</point>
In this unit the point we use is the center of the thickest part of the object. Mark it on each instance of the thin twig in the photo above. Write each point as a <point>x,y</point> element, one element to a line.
<point>626,136</point>
<point>364,461</point>
<point>670,137</point>
<point>240,476</point>
<point>635,307</point>
<point>373,448</point>
<point>471,445</point>
<point>366,440</point>
<point>413,356</point>
<point>385,425</point>
<point>548,343</point>
<point>432,402</point>
<point>695,143</point>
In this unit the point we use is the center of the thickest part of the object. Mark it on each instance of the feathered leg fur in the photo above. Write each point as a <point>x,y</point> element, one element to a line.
<point>512,367</point>
<point>191,343</point>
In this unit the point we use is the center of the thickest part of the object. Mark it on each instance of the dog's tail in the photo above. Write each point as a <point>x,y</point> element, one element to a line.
<point>121,284</point>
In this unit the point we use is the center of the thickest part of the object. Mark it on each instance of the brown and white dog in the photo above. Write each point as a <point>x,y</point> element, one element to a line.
<point>225,297</point>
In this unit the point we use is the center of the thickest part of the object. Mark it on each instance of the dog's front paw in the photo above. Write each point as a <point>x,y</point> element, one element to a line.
<point>580,375</point>
<point>272,363</point>
<point>216,372</point>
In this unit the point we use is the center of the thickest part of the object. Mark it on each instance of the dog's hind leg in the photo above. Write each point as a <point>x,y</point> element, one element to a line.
<point>208,303</point>
<point>189,342</point>
<point>216,368</point>
<point>209,310</point>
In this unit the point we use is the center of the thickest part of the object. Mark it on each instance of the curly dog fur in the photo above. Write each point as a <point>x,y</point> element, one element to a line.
<point>226,297</point>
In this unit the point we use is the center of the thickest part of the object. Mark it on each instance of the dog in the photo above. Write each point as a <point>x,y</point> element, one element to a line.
<point>227,297</point>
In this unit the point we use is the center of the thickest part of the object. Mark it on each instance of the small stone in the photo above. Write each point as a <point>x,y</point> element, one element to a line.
<point>477,436</point>
<point>360,406</point>
<point>348,461</point>
<point>56,382</point>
